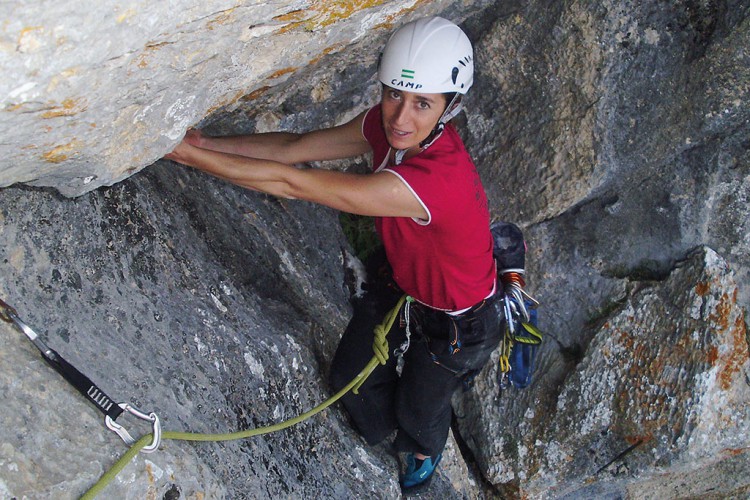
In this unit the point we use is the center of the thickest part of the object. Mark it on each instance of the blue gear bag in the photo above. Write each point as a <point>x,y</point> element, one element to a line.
<point>525,343</point>
<point>522,337</point>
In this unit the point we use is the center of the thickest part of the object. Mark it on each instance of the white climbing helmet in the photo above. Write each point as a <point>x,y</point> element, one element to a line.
<point>430,55</point>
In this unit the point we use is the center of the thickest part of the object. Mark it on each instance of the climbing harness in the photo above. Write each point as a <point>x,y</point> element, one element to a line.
<point>85,386</point>
<point>150,442</point>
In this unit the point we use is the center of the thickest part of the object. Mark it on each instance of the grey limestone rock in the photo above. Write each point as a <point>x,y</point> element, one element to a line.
<point>615,133</point>
<point>662,390</point>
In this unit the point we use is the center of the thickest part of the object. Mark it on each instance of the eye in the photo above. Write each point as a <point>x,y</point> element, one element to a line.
<point>394,94</point>
<point>423,105</point>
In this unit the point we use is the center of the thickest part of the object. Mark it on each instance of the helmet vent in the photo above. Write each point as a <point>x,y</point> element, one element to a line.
<point>454,75</point>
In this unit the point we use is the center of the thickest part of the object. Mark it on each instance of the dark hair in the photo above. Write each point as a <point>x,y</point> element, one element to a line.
<point>449,96</point>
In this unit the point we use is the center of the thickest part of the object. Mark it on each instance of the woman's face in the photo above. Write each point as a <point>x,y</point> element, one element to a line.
<point>409,117</point>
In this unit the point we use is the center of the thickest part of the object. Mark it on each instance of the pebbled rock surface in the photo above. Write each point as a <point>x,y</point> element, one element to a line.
<point>173,293</point>
<point>615,133</point>
<point>620,140</point>
<point>661,390</point>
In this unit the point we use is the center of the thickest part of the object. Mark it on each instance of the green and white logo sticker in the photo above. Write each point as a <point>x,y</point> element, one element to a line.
<point>406,74</point>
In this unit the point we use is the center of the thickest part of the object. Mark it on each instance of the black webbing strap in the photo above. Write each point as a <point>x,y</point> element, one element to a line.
<point>81,382</point>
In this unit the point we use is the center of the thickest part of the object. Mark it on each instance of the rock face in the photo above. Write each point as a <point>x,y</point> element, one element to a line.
<point>88,96</point>
<point>615,133</point>
<point>663,384</point>
<point>619,139</point>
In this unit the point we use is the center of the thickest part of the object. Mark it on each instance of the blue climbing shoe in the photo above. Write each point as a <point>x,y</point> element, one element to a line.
<point>416,479</point>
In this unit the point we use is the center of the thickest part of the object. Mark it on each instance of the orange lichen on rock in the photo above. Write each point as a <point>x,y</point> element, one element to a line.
<point>721,321</point>
<point>325,52</point>
<point>323,13</point>
<point>148,51</point>
<point>63,152</point>
<point>390,20</point>
<point>293,19</point>
<point>291,16</point>
<point>712,355</point>
<point>255,93</point>
<point>27,39</point>
<point>281,72</point>
<point>723,310</point>
<point>68,107</point>
<point>238,96</point>
<point>330,12</point>
<point>224,17</point>
<point>738,356</point>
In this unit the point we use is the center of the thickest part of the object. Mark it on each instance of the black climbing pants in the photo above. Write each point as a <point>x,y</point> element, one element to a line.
<point>444,353</point>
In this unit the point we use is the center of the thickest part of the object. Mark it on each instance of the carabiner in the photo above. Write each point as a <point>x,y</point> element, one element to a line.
<point>509,317</point>
<point>7,313</point>
<point>504,363</point>
<point>125,435</point>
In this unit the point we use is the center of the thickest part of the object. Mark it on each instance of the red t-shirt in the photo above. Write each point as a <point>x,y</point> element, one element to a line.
<point>446,261</point>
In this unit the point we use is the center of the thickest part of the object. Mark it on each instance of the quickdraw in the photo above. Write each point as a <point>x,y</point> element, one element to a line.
<point>85,386</point>
<point>102,401</point>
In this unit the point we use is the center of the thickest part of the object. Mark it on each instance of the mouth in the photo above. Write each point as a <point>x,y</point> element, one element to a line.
<point>399,134</point>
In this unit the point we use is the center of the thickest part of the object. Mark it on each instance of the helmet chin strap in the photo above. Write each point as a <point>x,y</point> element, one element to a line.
<point>453,109</point>
<point>398,157</point>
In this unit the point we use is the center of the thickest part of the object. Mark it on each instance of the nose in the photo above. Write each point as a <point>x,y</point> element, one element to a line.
<point>401,115</point>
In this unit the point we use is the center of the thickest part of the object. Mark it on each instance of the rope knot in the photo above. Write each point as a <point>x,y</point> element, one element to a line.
<point>380,343</point>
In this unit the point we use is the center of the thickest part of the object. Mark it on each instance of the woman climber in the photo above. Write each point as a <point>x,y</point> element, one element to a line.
<point>432,217</point>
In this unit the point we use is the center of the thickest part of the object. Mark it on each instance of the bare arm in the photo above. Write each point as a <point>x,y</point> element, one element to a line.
<point>343,141</point>
<point>381,194</point>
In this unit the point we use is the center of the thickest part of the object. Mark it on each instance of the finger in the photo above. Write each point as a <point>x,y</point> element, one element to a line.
<point>193,137</point>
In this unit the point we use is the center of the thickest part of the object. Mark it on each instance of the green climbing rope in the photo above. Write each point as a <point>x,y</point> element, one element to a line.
<point>380,349</point>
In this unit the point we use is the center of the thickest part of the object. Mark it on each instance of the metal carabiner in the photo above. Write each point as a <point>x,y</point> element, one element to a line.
<point>9,315</point>
<point>7,312</point>
<point>509,318</point>
<point>504,363</point>
<point>125,435</point>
